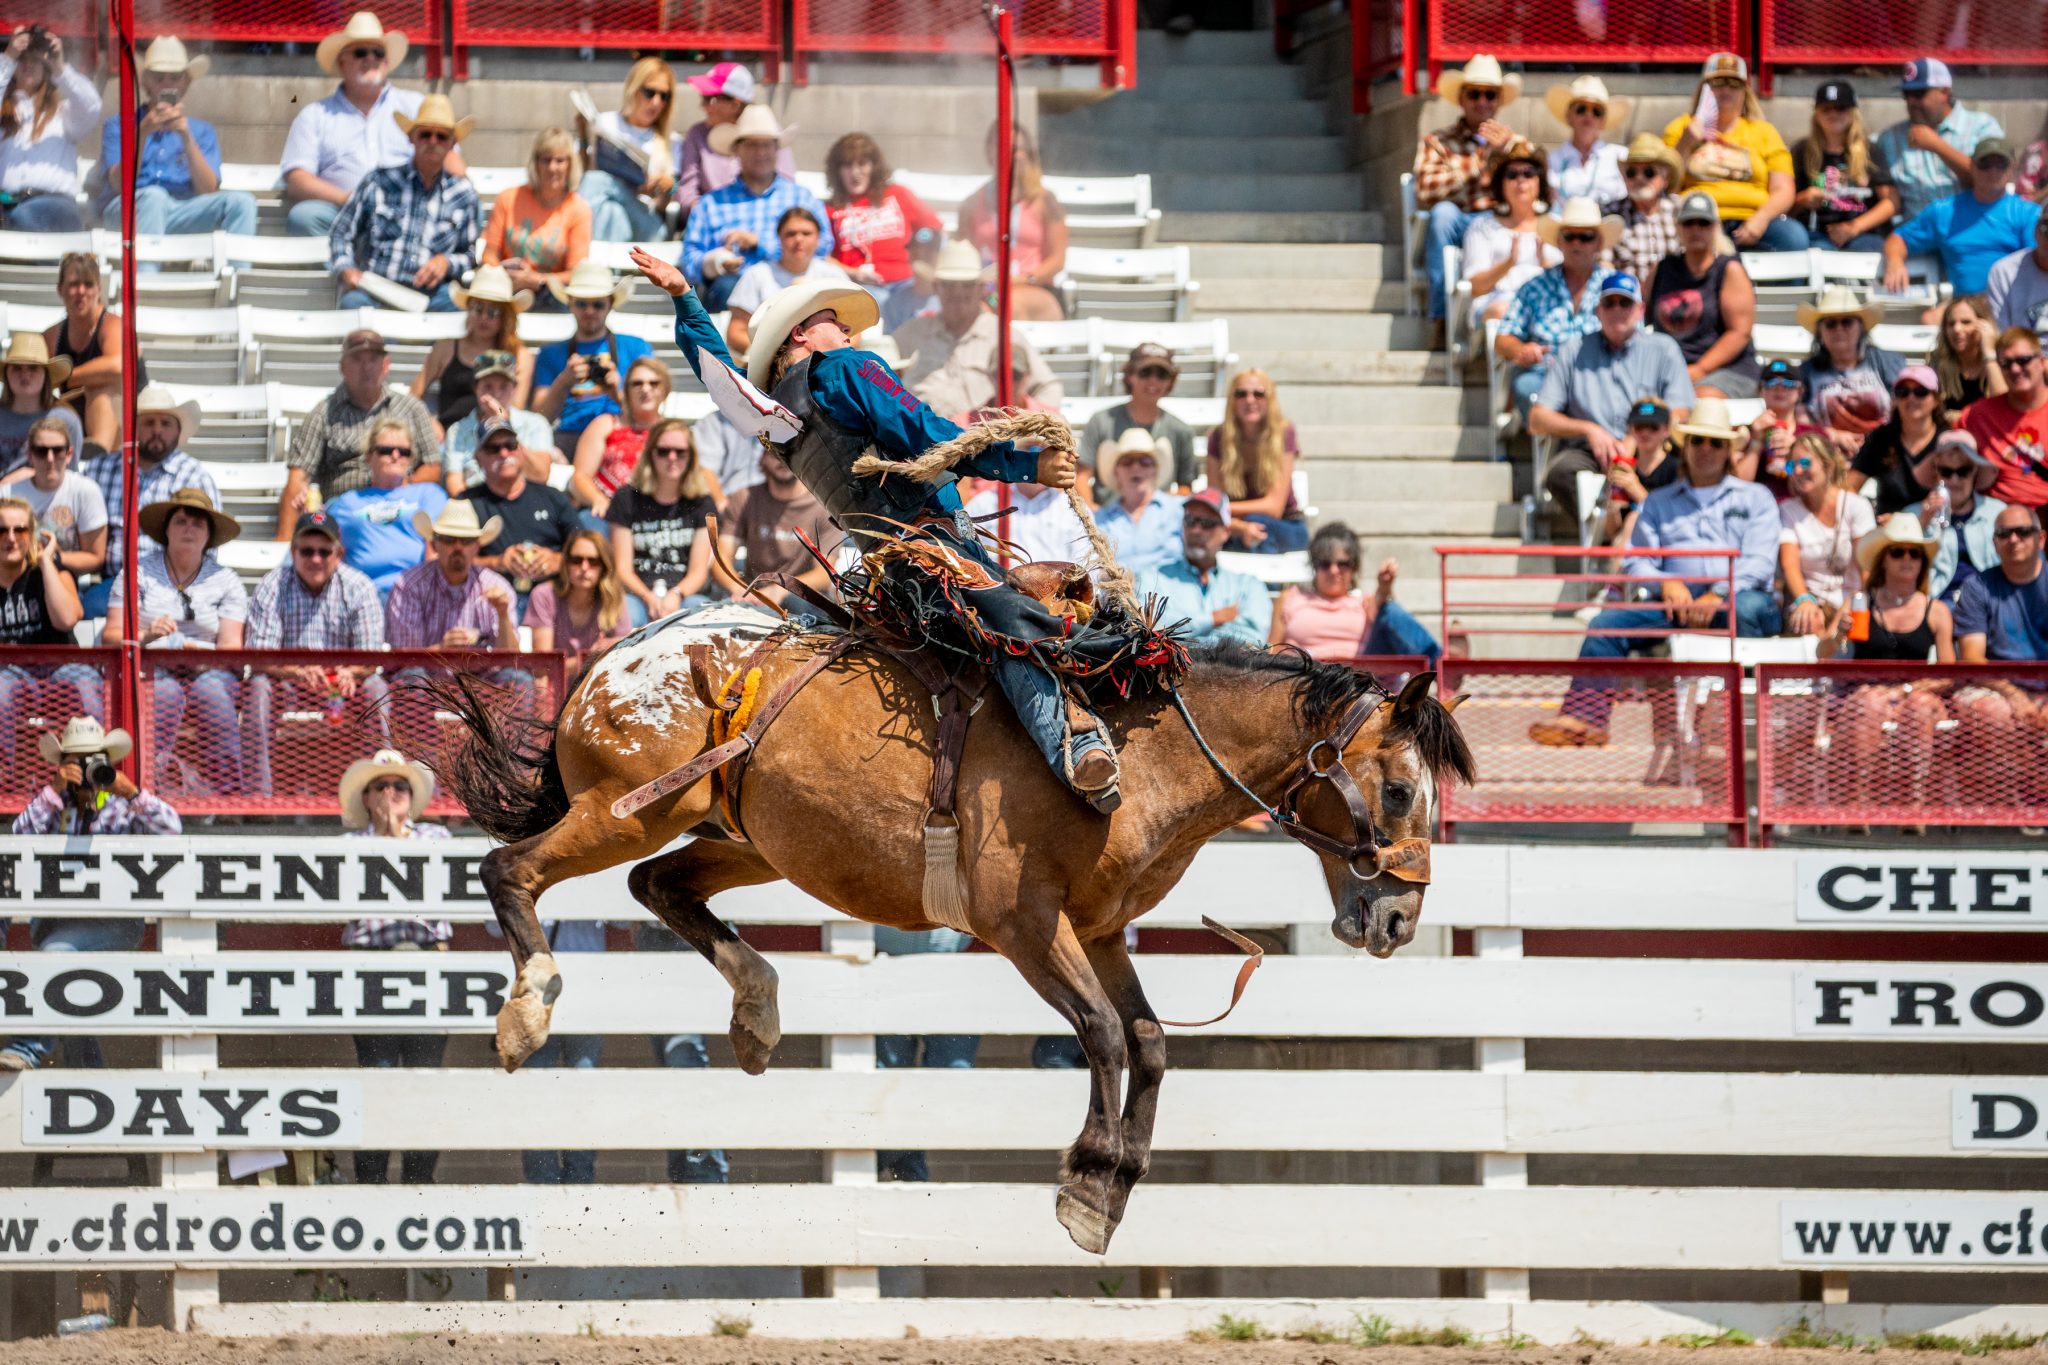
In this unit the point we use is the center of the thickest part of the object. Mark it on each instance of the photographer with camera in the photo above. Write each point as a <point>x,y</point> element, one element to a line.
<point>177,172</point>
<point>46,110</point>
<point>579,380</point>
<point>89,796</point>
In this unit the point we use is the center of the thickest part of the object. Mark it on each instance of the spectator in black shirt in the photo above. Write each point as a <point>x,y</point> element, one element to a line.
<point>38,606</point>
<point>535,519</point>
<point>658,524</point>
<point>1846,197</point>
<point>1648,460</point>
<point>1900,454</point>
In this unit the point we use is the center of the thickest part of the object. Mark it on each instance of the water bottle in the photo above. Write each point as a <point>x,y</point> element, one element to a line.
<point>1859,617</point>
<point>91,1322</point>
<point>1938,526</point>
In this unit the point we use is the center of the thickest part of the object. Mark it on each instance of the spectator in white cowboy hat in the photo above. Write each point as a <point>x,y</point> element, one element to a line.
<point>1149,376</point>
<point>1561,302</point>
<point>798,231</point>
<point>1648,210</point>
<point>950,356</point>
<point>497,383</point>
<point>1846,197</point>
<point>1701,298</point>
<point>1449,163</point>
<point>47,107</point>
<point>2017,287</point>
<point>540,230</point>
<point>1586,165</point>
<point>382,797</point>
<point>1929,151</point>
<point>1595,382</point>
<point>1738,158</point>
<point>333,144</point>
<point>1502,250</point>
<point>725,91</point>
<point>163,467</point>
<point>733,226</point>
<point>64,501</point>
<point>1967,546</point>
<point>330,448</point>
<point>1142,523</point>
<point>452,603</point>
<point>89,796</point>
<point>177,172</point>
<point>625,189</point>
<point>414,225</point>
<point>1848,377</point>
<point>1972,230</point>
<point>576,380</point>
<point>28,394</point>
<point>376,520</point>
<point>492,307</point>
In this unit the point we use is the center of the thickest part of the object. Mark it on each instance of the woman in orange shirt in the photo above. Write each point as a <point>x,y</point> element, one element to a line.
<point>540,230</point>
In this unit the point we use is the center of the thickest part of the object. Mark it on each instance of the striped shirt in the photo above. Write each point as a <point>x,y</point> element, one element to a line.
<point>394,933</point>
<point>154,484</point>
<point>1543,310</point>
<point>393,224</point>
<point>49,813</point>
<point>344,615</point>
<point>424,606</point>
<point>735,206</point>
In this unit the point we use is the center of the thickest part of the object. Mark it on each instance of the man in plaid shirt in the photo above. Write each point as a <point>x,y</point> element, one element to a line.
<point>1450,185</point>
<point>733,227</point>
<point>414,224</point>
<point>1649,212</point>
<point>312,601</point>
<point>161,430</point>
<point>450,602</point>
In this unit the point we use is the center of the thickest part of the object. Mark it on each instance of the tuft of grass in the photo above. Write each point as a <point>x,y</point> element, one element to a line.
<point>1701,1341</point>
<point>1983,1344</point>
<point>723,1326</point>
<point>1109,1289</point>
<point>1372,1331</point>
<point>1430,1336</point>
<point>1317,1334</point>
<point>1582,1337</point>
<point>1517,1341</point>
<point>1230,1327</point>
<point>1802,1336</point>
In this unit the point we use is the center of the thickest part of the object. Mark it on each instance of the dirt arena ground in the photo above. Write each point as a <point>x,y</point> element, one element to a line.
<point>160,1348</point>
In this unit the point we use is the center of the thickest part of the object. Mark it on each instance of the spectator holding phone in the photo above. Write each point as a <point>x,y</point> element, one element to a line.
<point>46,109</point>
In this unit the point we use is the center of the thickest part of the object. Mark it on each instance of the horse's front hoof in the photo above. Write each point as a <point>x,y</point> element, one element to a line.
<point>1090,1229</point>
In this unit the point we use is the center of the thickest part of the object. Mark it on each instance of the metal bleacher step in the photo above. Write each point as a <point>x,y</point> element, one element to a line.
<point>1343,265</point>
<point>1342,479</point>
<point>1257,80</point>
<point>1394,403</point>
<point>1133,114</point>
<point>1321,294</point>
<point>1207,47</point>
<point>1333,367</point>
<point>1264,332</point>
<point>1107,155</point>
<point>1272,192</point>
<point>1396,441</point>
<point>1453,519</point>
<point>1246,225</point>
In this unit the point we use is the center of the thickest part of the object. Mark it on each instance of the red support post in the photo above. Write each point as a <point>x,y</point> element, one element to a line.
<point>1006,143</point>
<point>1411,44</point>
<point>1123,21</point>
<point>127,699</point>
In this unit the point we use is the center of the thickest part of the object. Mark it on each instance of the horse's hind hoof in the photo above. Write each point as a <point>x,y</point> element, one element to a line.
<point>524,1017</point>
<point>1090,1230</point>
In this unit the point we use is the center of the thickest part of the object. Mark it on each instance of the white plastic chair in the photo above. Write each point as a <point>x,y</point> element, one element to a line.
<point>1414,232</point>
<point>1201,351</point>
<point>1071,349</point>
<point>1150,285</point>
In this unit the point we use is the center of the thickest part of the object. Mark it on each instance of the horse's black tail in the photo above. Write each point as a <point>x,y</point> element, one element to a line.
<point>504,772</point>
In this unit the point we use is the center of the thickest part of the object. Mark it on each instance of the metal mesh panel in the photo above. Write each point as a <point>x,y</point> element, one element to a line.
<point>726,25</point>
<point>1667,758</point>
<point>1990,31</point>
<point>1908,744</point>
<point>263,733</point>
<point>40,689</point>
<point>290,21</point>
<point>1597,31</point>
<point>1083,28</point>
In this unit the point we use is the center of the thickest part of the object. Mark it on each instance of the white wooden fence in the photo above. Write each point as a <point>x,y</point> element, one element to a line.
<point>188,994</point>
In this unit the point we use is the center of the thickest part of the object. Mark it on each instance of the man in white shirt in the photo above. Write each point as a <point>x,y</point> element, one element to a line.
<point>2017,287</point>
<point>1041,525</point>
<point>950,356</point>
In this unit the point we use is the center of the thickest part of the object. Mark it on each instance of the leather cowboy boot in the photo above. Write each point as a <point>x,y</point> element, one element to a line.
<point>1093,771</point>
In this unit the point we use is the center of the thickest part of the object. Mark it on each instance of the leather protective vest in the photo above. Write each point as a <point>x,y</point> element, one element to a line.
<point>822,455</point>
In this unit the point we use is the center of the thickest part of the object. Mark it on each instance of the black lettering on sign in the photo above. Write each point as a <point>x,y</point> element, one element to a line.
<point>378,873</point>
<point>473,995</point>
<point>305,1116</point>
<point>260,982</point>
<point>60,868</point>
<point>11,985</point>
<point>1994,883</point>
<point>57,993</point>
<point>158,1107</point>
<point>2026,1117</point>
<point>220,876</point>
<point>148,881</point>
<point>64,1120</point>
<point>152,986</point>
<point>465,879</point>
<point>324,983</point>
<point>1990,1004</point>
<point>10,878</point>
<point>378,989</point>
<point>1842,897</point>
<point>293,873</point>
<point>1834,999</point>
<point>1936,883</point>
<point>1914,998</point>
<point>233,1116</point>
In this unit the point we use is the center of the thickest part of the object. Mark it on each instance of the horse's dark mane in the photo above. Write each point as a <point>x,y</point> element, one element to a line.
<point>1322,692</point>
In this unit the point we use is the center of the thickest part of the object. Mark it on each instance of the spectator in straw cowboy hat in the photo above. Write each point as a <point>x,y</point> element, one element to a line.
<point>163,467</point>
<point>580,379</point>
<point>492,307</point>
<point>733,227</point>
<point>1648,209</point>
<point>29,380</point>
<point>950,356</point>
<point>1586,165</point>
<point>415,225</point>
<point>177,172</point>
<point>1149,376</point>
<point>333,144</point>
<point>451,602</point>
<point>89,796</point>
<point>1561,302</point>
<point>1848,378</point>
<point>1449,163</point>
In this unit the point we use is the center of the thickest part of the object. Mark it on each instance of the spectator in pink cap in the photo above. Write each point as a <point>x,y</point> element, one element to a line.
<point>1899,455</point>
<point>725,90</point>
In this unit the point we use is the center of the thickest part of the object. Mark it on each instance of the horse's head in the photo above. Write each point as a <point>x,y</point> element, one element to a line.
<point>1397,762</point>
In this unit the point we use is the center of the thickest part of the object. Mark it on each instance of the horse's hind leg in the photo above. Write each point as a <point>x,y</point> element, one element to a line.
<point>675,887</point>
<point>1145,1042</point>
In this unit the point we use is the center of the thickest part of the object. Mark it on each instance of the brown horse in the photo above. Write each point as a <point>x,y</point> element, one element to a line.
<point>834,797</point>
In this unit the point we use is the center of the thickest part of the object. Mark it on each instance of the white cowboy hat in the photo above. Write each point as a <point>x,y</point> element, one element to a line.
<point>756,120</point>
<point>29,348</point>
<point>1483,69</point>
<point>458,522</point>
<point>959,262</point>
<point>1588,90</point>
<point>157,398</point>
<point>384,763</point>
<point>435,112</point>
<point>490,284</point>
<point>1138,441</point>
<point>1900,528</point>
<point>1579,212</point>
<point>590,280</point>
<point>166,56</point>
<point>775,319</point>
<point>362,27</point>
<point>1839,301</point>
<point>84,735</point>
<point>1710,419</point>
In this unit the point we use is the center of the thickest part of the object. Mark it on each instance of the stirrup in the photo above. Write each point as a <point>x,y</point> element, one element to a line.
<point>1105,797</point>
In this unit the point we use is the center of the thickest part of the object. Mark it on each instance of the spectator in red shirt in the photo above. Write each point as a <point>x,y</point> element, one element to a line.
<point>2012,427</point>
<point>873,221</point>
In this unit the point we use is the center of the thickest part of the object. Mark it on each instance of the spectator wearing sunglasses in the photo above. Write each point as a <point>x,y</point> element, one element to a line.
<point>2001,616</point>
<point>536,519</point>
<point>38,606</point>
<point>375,523</point>
<point>1648,210</point>
<point>1648,460</point>
<point>632,163</point>
<point>1967,547</point>
<point>1899,456</point>
<point>2011,428</point>
<point>1502,250</point>
<point>65,503</point>
<point>414,225</point>
<point>1822,523</point>
<point>1252,454</point>
<point>1586,165</point>
<point>1142,523</point>
<point>1971,230</point>
<point>331,445</point>
<point>1737,158</point>
<point>1149,376</point>
<point>1450,187</point>
<point>1559,303</point>
<point>1848,377</point>
<point>581,609</point>
<point>1334,621</point>
<point>1701,298</point>
<point>1783,420</point>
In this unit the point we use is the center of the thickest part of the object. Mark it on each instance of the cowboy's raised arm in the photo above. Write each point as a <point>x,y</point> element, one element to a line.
<point>859,390</point>
<point>694,332</point>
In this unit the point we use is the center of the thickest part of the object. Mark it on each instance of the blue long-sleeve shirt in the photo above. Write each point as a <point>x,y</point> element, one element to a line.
<point>164,161</point>
<point>1185,595</point>
<point>858,390</point>
<point>1733,514</point>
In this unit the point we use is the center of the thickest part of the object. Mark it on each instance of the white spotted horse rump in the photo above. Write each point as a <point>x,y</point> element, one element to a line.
<point>643,681</point>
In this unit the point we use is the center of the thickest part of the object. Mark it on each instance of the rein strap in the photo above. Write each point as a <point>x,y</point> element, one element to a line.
<point>1254,956</point>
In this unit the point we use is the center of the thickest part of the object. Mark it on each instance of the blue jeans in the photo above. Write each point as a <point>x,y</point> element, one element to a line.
<point>57,693</point>
<point>1592,699</point>
<point>1447,224</point>
<point>384,1051</point>
<point>158,212</point>
<point>437,302</point>
<point>579,1052</point>
<point>1781,234</point>
<point>698,1166</point>
<point>616,213</point>
<point>311,218</point>
<point>940,1050</point>
<point>1525,382</point>
<point>210,693</point>
<point>1396,631</point>
<point>1869,241</point>
<point>46,213</point>
<point>76,936</point>
<point>1282,535</point>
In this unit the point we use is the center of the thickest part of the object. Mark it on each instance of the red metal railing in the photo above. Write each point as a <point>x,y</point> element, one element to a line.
<point>1910,744</point>
<point>1099,30</point>
<point>751,27</point>
<point>1593,32</point>
<point>1487,598</point>
<point>1987,32</point>
<point>1383,41</point>
<point>40,689</point>
<point>293,21</point>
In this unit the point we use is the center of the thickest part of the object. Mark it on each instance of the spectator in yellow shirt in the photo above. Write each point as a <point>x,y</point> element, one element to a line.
<point>1738,159</point>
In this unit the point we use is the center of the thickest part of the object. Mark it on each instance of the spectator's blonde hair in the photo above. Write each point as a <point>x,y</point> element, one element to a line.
<point>642,70</point>
<point>648,362</point>
<point>611,595</point>
<point>1948,362</point>
<point>1854,139</point>
<point>388,424</point>
<point>29,515</point>
<point>56,424</point>
<point>555,141</point>
<point>1251,460</point>
<point>1826,454</point>
<point>695,484</point>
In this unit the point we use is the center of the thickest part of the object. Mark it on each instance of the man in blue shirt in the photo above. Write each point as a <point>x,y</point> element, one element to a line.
<point>1217,603</point>
<point>576,381</point>
<point>1708,509</point>
<point>1560,303</point>
<point>2002,617</point>
<point>1972,230</point>
<point>1929,151</point>
<point>1143,524</point>
<point>733,227</point>
<point>177,176</point>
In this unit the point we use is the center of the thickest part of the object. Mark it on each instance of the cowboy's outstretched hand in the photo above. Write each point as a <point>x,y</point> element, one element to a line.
<point>663,275</point>
<point>1057,468</point>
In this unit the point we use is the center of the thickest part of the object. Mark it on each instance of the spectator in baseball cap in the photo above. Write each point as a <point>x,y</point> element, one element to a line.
<point>1846,197</point>
<point>1737,157</point>
<point>1149,376</point>
<point>725,90</point>
<point>1701,297</point>
<point>1929,151</point>
<point>1971,230</point>
<point>1217,603</point>
<point>330,448</point>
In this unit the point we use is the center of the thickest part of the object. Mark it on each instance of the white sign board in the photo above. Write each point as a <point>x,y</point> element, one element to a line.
<point>1907,1001</point>
<point>75,1108</point>
<point>2005,1114</point>
<point>1933,1230</point>
<point>1923,891</point>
